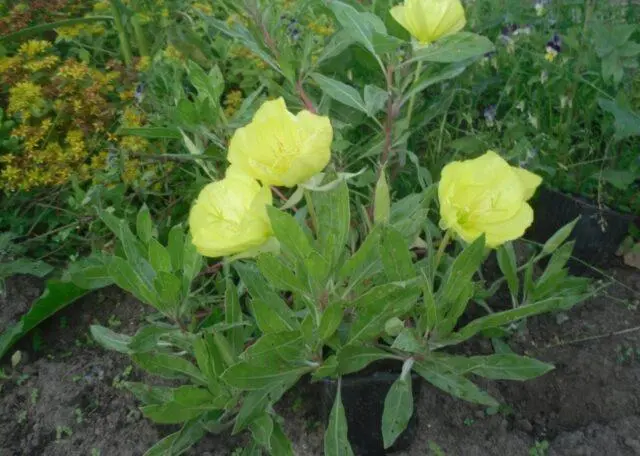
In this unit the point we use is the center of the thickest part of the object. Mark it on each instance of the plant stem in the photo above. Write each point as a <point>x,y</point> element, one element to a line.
<point>412,100</point>
<point>141,40</point>
<point>125,46</point>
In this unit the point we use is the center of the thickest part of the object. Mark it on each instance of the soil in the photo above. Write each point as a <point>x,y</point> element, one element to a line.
<point>63,398</point>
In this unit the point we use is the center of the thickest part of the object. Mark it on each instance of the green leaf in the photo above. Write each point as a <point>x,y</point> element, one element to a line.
<point>263,295</point>
<point>279,275</point>
<point>559,237</point>
<point>627,122</point>
<point>509,367</point>
<point>360,26</point>
<point>168,366</point>
<point>169,289</point>
<point>509,267</point>
<point>144,225</point>
<point>289,233</point>
<point>232,315</point>
<point>455,310</point>
<point>382,200</point>
<point>376,306</point>
<point>151,132</point>
<point>455,48</point>
<point>354,358</point>
<point>336,441</point>
<point>366,262</point>
<point>254,376</point>
<point>111,340</point>
<point>175,246</point>
<point>398,408</point>
<point>256,402</point>
<point>330,321</point>
<point>208,85</point>
<point>150,394</point>
<point>191,263</point>
<point>452,383</point>
<point>408,341</point>
<point>25,266</point>
<point>333,220</point>
<point>89,273</point>
<point>340,92</point>
<point>620,179</point>
<point>396,257</point>
<point>57,295</point>
<point>280,443</point>
<point>285,346</point>
<point>461,271</point>
<point>146,339</point>
<point>328,368</point>
<point>134,281</point>
<point>39,29</point>
<point>209,357</point>
<point>177,443</point>
<point>267,320</point>
<point>159,256</point>
<point>188,402</point>
<point>375,99</point>
<point>431,78</point>
<point>262,430</point>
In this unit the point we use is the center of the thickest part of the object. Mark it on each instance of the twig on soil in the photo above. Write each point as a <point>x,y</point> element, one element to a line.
<point>590,338</point>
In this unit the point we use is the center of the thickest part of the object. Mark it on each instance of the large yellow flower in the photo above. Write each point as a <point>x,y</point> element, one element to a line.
<point>428,20</point>
<point>278,148</point>
<point>230,216</point>
<point>486,195</point>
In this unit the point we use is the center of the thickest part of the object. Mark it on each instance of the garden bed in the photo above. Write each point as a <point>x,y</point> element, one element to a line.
<point>63,399</point>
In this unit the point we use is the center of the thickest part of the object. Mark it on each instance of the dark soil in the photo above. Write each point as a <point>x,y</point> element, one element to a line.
<point>64,398</point>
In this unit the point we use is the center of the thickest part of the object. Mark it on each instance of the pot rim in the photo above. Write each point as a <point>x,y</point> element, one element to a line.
<point>587,202</point>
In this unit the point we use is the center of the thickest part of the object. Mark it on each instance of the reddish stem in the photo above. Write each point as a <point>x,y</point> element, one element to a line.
<point>282,196</point>
<point>308,104</point>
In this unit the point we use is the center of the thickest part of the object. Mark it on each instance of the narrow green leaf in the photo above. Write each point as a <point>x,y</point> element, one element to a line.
<point>333,221</point>
<point>375,99</point>
<point>279,274</point>
<point>398,409</point>
<point>144,225</point>
<point>133,281</point>
<point>208,357</point>
<point>280,443</point>
<point>330,320</point>
<point>256,402</point>
<point>340,92</point>
<point>176,246</point>
<point>188,402</point>
<point>159,256</point>
<point>509,367</point>
<point>147,337</point>
<point>443,74</point>
<point>455,48</point>
<point>151,132</point>
<point>249,376</point>
<point>110,339</point>
<point>38,29</point>
<point>509,267</point>
<point>336,441</point>
<point>262,429</point>
<point>233,315</point>
<point>289,233</point>
<point>382,200</point>
<point>559,237</point>
<point>267,320</point>
<point>366,262</point>
<point>408,341</point>
<point>462,270</point>
<point>360,26</point>
<point>168,366</point>
<point>285,346</point>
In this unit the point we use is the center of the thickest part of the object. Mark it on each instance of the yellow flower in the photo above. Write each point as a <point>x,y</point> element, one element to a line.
<point>23,97</point>
<point>278,148</point>
<point>33,48</point>
<point>486,195</point>
<point>230,216</point>
<point>429,20</point>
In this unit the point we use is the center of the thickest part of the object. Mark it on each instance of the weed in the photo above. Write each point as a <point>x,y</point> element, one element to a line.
<point>540,448</point>
<point>63,432</point>
<point>21,417</point>
<point>35,393</point>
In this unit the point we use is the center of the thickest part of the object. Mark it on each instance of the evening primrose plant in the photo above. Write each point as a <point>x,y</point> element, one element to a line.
<point>312,290</point>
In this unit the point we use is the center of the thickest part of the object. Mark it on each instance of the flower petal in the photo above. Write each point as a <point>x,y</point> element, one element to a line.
<point>530,181</point>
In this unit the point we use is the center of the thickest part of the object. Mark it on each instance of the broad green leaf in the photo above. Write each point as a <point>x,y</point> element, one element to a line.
<point>209,357</point>
<point>188,402</point>
<point>148,394</point>
<point>147,337</point>
<point>396,257</point>
<point>246,375</point>
<point>627,122</point>
<point>144,225</point>
<point>89,273</point>
<point>159,256</point>
<point>336,441</point>
<point>169,289</point>
<point>366,262</point>
<point>559,237</point>
<point>267,320</point>
<point>262,429</point>
<point>354,358</point>
<point>509,367</point>
<point>134,281</point>
<point>360,26</point>
<point>398,408</point>
<point>452,383</point>
<point>340,92</point>
<point>337,45</point>
<point>168,366</point>
<point>455,310</point>
<point>208,85</point>
<point>25,266</point>
<point>191,264</point>
<point>375,99</point>
<point>382,200</point>
<point>175,246</point>
<point>265,296</point>
<point>462,270</point>
<point>280,443</point>
<point>509,267</point>
<point>177,443</point>
<point>111,340</point>
<point>233,315</point>
<point>56,296</point>
<point>442,74</point>
<point>256,402</point>
<point>408,341</point>
<point>285,346</point>
<point>279,275</point>
<point>328,368</point>
<point>332,221</point>
<point>289,233</point>
<point>455,48</point>
<point>330,320</point>
<point>375,307</point>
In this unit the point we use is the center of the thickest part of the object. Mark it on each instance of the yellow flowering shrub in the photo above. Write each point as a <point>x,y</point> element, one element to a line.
<point>62,111</point>
<point>486,195</point>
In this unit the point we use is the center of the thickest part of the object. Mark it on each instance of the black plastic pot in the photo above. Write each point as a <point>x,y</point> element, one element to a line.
<point>597,235</point>
<point>363,396</point>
